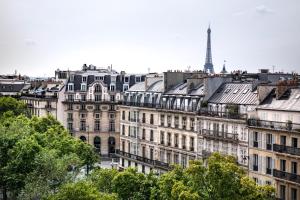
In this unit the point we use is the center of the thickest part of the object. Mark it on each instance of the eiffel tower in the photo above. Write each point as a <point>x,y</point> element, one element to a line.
<point>208,66</point>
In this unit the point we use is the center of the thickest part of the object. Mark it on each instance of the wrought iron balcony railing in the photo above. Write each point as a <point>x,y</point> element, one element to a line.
<point>286,126</point>
<point>219,135</point>
<point>286,149</point>
<point>286,176</point>
<point>154,163</point>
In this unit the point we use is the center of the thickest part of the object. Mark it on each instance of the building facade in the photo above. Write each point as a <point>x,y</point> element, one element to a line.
<point>274,140</point>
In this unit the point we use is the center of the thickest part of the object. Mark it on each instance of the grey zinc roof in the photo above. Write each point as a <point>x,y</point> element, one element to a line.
<point>157,86</point>
<point>199,91</point>
<point>236,93</point>
<point>11,87</point>
<point>138,87</point>
<point>178,89</point>
<point>292,103</point>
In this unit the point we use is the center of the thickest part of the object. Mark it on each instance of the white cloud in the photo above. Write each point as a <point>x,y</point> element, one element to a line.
<point>262,9</point>
<point>239,13</point>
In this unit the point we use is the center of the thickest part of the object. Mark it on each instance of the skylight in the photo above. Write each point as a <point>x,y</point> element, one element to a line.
<point>227,90</point>
<point>235,91</point>
<point>245,91</point>
<point>298,96</point>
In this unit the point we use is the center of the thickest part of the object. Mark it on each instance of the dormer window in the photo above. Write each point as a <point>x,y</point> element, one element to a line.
<point>138,79</point>
<point>126,79</point>
<point>70,87</point>
<point>112,88</point>
<point>97,88</point>
<point>84,78</point>
<point>83,87</point>
<point>125,88</point>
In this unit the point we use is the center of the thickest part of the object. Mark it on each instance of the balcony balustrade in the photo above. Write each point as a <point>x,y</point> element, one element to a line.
<point>154,163</point>
<point>219,135</point>
<point>286,176</point>
<point>286,126</point>
<point>286,149</point>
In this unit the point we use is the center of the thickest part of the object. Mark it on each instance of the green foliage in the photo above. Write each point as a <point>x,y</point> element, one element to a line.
<point>38,156</point>
<point>14,106</point>
<point>82,190</point>
<point>102,179</point>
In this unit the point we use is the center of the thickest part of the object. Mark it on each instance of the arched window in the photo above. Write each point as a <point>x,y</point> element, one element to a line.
<point>97,143</point>
<point>83,138</point>
<point>111,144</point>
<point>98,88</point>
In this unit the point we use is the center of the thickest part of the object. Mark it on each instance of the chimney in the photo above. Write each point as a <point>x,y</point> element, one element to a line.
<point>283,86</point>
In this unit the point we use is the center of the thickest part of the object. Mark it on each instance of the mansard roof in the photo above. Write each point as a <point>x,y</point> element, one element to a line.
<point>288,102</point>
<point>235,93</point>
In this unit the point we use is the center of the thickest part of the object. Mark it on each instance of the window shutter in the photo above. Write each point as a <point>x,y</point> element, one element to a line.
<point>259,163</point>
<point>250,138</point>
<point>264,140</point>
<point>259,140</point>
<point>264,164</point>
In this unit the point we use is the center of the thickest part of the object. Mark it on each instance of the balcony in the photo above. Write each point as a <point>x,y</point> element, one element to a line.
<point>286,149</point>
<point>154,163</point>
<point>286,176</point>
<point>284,126</point>
<point>218,114</point>
<point>268,170</point>
<point>211,134</point>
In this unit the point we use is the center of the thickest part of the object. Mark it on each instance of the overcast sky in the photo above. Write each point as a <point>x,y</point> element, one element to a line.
<point>39,36</point>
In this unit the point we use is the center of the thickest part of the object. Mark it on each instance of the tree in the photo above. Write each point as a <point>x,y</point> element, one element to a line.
<point>38,156</point>
<point>102,179</point>
<point>12,105</point>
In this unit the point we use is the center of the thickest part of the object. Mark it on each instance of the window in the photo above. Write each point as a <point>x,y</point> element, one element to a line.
<point>162,137</point>
<point>112,126</point>
<point>151,135</point>
<point>70,106</point>
<point>151,154</point>
<point>82,115</point>
<point>70,126</point>
<point>70,87</point>
<point>191,143</point>
<point>138,79</point>
<point>97,125</point>
<point>97,115</point>
<point>255,139</point>
<point>151,119</point>
<point>98,88</point>
<point>123,129</point>
<point>84,78</point>
<point>82,107</point>
<point>83,87</point>
<point>269,141</point>
<point>282,192</point>
<point>235,91</point>
<point>168,157</point>
<point>97,107</point>
<point>294,142</point>
<point>293,194</point>
<point>283,140</point>
<point>97,97</point>
<point>143,134</point>
<point>83,97</point>
<point>255,162</point>
<point>112,97</point>
<point>294,167</point>
<point>176,160</point>
<point>162,120</point>
<point>183,140</point>
<point>192,124</point>
<point>123,115</point>
<point>169,139</point>
<point>112,88</point>
<point>183,123</point>
<point>282,165</point>
<point>183,160</point>
<point>176,140</point>
<point>268,165</point>
<point>126,80</point>
<point>144,118</point>
<point>176,119</point>
<point>125,87</point>
<point>82,125</point>
<point>70,116</point>
<point>169,120</point>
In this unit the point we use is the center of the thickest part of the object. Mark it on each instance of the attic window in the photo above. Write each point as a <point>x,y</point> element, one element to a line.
<point>235,91</point>
<point>245,91</point>
<point>97,78</point>
<point>84,79</point>
<point>227,90</point>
